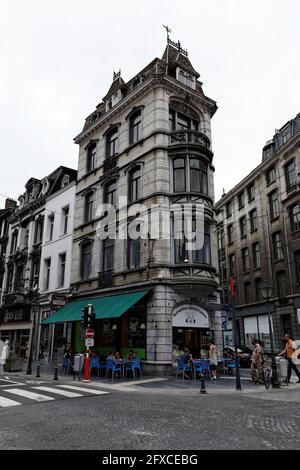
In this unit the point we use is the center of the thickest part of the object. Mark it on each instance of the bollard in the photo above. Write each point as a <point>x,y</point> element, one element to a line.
<point>29,366</point>
<point>202,381</point>
<point>38,371</point>
<point>55,373</point>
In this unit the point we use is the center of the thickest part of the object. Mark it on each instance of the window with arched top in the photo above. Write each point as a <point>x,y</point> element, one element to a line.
<point>135,184</point>
<point>89,206</point>
<point>110,193</point>
<point>91,157</point>
<point>135,127</point>
<point>112,142</point>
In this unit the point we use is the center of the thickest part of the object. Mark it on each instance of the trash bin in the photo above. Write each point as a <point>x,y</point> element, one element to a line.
<point>281,364</point>
<point>78,365</point>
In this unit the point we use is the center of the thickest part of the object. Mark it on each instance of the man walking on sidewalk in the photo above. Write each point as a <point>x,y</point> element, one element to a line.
<point>257,362</point>
<point>290,348</point>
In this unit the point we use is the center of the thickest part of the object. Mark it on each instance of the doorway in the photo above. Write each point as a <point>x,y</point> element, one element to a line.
<point>196,339</point>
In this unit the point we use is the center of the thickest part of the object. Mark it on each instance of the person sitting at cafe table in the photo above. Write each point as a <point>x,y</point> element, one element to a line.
<point>188,361</point>
<point>117,356</point>
<point>131,355</point>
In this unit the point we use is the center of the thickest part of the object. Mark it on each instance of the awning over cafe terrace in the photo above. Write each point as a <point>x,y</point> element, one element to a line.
<point>111,306</point>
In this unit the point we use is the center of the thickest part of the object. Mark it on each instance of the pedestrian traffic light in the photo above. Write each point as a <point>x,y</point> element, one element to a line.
<point>85,316</point>
<point>92,318</point>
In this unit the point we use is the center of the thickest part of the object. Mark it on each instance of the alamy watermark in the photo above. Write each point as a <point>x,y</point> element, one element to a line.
<point>159,221</point>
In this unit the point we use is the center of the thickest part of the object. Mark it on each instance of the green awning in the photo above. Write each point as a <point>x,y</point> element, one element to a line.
<point>110,306</point>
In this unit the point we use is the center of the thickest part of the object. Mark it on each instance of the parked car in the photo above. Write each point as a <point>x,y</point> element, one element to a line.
<point>244,354</point>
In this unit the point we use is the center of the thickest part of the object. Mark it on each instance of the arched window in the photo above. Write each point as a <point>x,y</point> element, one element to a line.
<point>110,193</point>
<point>89,207</point>
<point>91,157</point>
<point>179,174</point>
<point>85,260</point>
<point>135,127</point>
<point>112,142</point>
<point>198,176</point>
<point>135,179</point>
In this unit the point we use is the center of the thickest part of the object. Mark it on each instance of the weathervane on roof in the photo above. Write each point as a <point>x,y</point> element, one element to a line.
<point>168,31</point>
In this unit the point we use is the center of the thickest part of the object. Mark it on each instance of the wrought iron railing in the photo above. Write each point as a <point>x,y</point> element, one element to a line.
<point>106,278</point>
<point>189,137</point>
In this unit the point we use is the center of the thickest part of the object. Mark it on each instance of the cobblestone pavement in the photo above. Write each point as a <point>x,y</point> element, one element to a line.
<point>168,415</point>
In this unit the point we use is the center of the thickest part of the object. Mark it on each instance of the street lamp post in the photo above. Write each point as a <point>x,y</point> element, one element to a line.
<point>266,290</point>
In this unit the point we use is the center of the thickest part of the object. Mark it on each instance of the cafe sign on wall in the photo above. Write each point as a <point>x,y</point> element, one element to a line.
<point>189,316</point>
<point>16,315</point>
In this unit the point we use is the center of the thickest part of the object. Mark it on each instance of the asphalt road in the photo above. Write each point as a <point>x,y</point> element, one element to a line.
<point>150,417</point>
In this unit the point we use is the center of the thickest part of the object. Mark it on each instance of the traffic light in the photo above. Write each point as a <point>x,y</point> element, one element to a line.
<point>85,316</point>
<point>92,318</point>
<point>88,317</point>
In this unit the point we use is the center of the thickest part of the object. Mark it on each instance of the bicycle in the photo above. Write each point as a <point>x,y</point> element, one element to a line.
<point>267,376</point>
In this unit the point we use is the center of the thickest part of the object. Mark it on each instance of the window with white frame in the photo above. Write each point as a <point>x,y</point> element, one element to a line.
<point>47,271</point>
<point>65,219</point>
<point>186,78</point>
<point>61,269</point>
<point>50,227</point>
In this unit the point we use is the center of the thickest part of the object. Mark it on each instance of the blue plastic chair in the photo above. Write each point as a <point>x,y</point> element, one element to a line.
<point>95,363</point>
<point>67,365</point>
<point>231,365</point>
<point>114,367</point>
<point>133,366</point>
<point>187,367</point>
<point>200,367</point>
<point>179,366</point>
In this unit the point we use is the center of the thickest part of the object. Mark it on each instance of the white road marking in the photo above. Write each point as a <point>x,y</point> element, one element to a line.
<point>9,383</point>
<point>6,402</point>
<point>83,389</point>
<point>30,395</point>
<point>64,393</point>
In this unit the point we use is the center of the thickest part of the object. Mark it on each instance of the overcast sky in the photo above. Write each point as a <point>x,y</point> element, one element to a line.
<point>58,57</point>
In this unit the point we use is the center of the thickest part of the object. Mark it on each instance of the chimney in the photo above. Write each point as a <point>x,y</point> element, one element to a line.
<point>10,204</point>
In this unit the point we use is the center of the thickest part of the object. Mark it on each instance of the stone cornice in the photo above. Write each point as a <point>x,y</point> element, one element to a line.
<point>159,80</point>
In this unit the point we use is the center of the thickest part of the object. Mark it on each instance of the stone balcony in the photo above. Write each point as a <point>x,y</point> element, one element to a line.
<point>195,139</point>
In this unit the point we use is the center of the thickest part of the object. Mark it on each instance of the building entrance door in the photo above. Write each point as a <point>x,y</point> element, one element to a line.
<point>196,339</point>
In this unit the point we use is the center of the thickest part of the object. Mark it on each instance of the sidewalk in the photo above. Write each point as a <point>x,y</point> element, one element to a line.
<point>169,384</point>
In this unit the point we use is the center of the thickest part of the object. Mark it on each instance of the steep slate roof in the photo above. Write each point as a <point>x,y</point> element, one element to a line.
<point>174,57</point>
<point>116,84</point>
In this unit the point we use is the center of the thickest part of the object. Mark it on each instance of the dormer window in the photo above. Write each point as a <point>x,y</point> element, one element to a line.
<point>186,78</point>
<point>113,100</point>
<point>65,181</point>
<point>137,82</point>
<point>109,103</point>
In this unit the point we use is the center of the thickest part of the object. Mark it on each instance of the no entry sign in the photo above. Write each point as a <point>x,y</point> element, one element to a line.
<point>89,333</point>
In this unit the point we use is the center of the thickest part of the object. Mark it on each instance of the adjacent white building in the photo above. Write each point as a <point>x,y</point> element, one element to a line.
<point>55,267</point>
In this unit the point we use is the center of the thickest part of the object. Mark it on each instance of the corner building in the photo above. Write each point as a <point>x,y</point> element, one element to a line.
<point>149,141</point>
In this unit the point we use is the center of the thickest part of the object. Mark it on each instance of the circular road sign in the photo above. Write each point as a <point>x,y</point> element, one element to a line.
<point>89,334</point>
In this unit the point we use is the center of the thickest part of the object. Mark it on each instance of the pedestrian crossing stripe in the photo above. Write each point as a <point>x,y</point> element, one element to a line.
<point>6,402</point>
<point>84,389</point>
<point>28,394</point>
<point>64,393</point>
